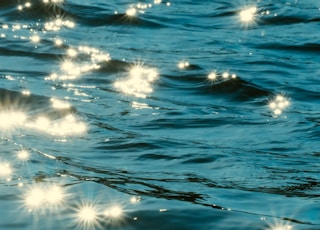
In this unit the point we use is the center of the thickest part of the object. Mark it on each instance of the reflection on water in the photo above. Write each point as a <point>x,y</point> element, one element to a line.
<point>194,150</point>
<point>139,82</point>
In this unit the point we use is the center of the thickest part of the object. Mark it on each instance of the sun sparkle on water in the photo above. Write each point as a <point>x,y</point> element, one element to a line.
<point>139,81</point>
<point>5,170</point>
<point>23,155</point>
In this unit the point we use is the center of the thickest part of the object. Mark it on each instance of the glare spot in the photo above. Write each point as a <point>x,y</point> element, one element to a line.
<point>58,42</point>
<point>280,226</point>
<point>55,195</point>
<point>26,92</point>
<point>72,53</point>
<point>35,197</point>
<point>58,104</point>
<point>44,197</point>
<point>114,212</point>
<point>27,4</point>
<point>131,12</point>
<point>87,216</point>
<point>135,199</point>
<point>58,23</point>
<point>12,120</point>
<point>139,81</point>
<point>278,104</point>
<point>23,155</point>
<point>5,170</point>
<point>248,15</point>
<point>5,26</point>
<point>35,38</point>
<point>212,76</point>
<point>183,64</point>
<point>157,1</point>
<point>20,7</point>
<point>16,27</point>
<point>225,75</point>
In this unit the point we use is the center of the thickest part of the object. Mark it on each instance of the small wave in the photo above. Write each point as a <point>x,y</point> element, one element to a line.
<point>305,47</point>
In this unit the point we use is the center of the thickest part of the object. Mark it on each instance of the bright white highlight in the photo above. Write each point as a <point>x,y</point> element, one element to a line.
<point>58,23</point>
<point>114,212</point>
<point>87,216</point>
<point>135,199</point>
<point>35,197</point>
<point>42,197</point>
<point>183,64</point>
<point>58,42</point>
<point>248,15</point>
<point>55,195</point>
<point>5,170</point>
<point>212,76</point>
<point>280,226</point>
<point>11,120</point>
<point>278,104</point>
<point>72,68</point>
<point>58,104</point>
<point>35,38</point>
<point>139,81</point>
<point>67,126</point>
<point>23,155</point>
<point>131,12</point>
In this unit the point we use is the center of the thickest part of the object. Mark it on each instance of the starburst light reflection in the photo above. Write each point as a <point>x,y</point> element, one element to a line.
<point>34,198</point>
<point>55,195</point>
<point>131,12</point>
<point>44,197</point>
<point>248,15</point>
<point>23,155</point>
<point>278,104</point>
<point>11,119</point>
<point>87,216</point>
<point>139,81</point>
<point>72,67</point>
<point>279,226</point>
<point>212,76</point>
<point>58,104</point>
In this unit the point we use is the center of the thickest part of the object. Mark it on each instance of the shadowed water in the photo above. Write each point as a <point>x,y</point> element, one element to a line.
<point>159,114</point>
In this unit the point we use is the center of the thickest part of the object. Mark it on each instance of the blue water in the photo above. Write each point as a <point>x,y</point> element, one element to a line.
<point>160,114</point>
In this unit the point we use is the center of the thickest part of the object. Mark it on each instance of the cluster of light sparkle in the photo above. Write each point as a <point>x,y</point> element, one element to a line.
<point>278,104</point>
<point>139,82</point>
<point>248,15</point>
<point>133,10</point>
<point>67,125</point>
<point>214,76</point>
<point>73,67</point>
<point>44,197</point>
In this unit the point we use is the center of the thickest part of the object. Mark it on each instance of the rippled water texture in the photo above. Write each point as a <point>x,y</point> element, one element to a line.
<point>160,114</point>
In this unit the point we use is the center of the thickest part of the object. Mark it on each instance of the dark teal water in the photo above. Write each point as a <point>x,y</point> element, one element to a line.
<point>160,115</point>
